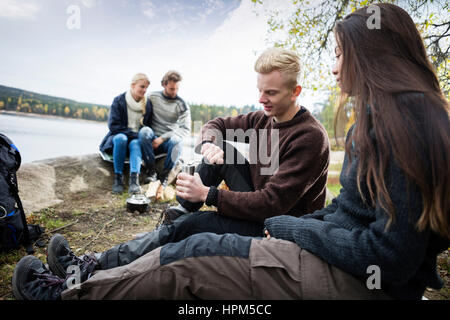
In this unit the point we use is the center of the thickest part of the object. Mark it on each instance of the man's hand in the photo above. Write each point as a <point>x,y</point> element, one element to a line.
<point>157,142</point>
<point>191,188</point>
<point>266,232</point>
<point>212,153</point>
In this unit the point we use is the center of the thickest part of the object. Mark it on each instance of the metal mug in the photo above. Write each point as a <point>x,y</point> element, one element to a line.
<point>188,168</point>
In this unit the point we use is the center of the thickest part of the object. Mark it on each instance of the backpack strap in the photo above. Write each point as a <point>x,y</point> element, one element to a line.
<point>12,181</point>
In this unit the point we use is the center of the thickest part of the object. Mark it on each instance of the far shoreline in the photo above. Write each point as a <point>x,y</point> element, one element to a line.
<point>46,116</point>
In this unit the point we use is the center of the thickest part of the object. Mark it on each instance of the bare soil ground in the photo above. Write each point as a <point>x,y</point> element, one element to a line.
<point>92,222</point>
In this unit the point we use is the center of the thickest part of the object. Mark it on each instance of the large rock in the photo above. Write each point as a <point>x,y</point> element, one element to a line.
<point>48,182</point>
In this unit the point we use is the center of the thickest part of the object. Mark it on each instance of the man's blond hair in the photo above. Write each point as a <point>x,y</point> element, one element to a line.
<point>285,61</point>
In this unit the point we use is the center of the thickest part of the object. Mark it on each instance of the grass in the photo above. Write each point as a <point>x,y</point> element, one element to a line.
<point>335,147</point>
<point>47,218</point>
<point>333,184</point>
<point>334,188</point>
<point>8,262</point>
<point>335,167</point>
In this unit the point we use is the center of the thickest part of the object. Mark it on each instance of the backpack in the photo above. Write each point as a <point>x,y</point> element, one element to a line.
<point>14,230</point>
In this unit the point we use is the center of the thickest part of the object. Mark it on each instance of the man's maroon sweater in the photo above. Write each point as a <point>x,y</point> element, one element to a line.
<point>298,186</point>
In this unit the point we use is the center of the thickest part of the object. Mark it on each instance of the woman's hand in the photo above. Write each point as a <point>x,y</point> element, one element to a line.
<point>191,188</point>
<point>266,232</point>
<point>212,153</point>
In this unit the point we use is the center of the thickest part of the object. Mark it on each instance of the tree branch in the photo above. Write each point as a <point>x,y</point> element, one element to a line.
<point>440,24</point>
<point>337,17</point>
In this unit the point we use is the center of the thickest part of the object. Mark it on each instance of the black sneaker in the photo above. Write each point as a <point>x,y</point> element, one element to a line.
<point>33,281</point>
<point>118,183</point>
<point>164,177</point>
<point>134,187</point>
<point>60,257</point>
<point>151,175</point>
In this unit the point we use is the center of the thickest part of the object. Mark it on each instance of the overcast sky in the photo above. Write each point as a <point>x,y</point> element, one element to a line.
<point>214,43</point>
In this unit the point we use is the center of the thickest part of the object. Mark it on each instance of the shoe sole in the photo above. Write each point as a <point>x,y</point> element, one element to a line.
<point>19,277</point>
<point>52,260</point>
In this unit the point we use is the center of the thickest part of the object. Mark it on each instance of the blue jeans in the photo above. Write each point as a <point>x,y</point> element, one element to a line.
<point>171,146</point>
<point>121,146</point>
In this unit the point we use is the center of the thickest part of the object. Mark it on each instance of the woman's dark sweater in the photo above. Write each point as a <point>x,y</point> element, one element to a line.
<point>351,236</point>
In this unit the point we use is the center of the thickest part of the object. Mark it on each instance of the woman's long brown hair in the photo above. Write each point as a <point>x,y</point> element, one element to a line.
<point>400,111</point>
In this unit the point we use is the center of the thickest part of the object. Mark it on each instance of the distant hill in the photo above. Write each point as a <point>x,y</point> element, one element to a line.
<point>14,99</point>
<point>19,100</point>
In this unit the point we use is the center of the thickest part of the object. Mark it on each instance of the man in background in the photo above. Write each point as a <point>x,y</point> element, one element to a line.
<point>171,122</point>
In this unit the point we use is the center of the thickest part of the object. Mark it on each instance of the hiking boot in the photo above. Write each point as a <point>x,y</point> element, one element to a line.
<point>60,257</point>
<point>164,178</point>
<point>118,183</point>
<point>151,175</point>
<point>134,184</point>
<point>33,281</point>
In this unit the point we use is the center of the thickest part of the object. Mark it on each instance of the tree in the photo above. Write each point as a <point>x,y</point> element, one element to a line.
<point>326,116</point>
<point>309,26</point>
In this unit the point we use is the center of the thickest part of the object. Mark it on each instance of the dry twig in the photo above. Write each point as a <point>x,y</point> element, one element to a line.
<point>67,225</point>
<point>98,234</point>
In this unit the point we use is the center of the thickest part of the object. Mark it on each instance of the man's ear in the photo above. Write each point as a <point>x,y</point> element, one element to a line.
<point>297,90</point>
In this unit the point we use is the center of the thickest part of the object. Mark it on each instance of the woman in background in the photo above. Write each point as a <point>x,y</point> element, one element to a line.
<point>129,112</point>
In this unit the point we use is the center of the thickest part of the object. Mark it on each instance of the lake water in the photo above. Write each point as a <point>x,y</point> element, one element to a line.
<point>39,138</point>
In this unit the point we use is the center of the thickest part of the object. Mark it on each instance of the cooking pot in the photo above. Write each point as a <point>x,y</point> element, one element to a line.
<point>138,202</point>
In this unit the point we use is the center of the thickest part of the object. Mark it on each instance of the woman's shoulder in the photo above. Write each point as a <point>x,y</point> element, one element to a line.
<point>120,97</point>
<point>119,100</point>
